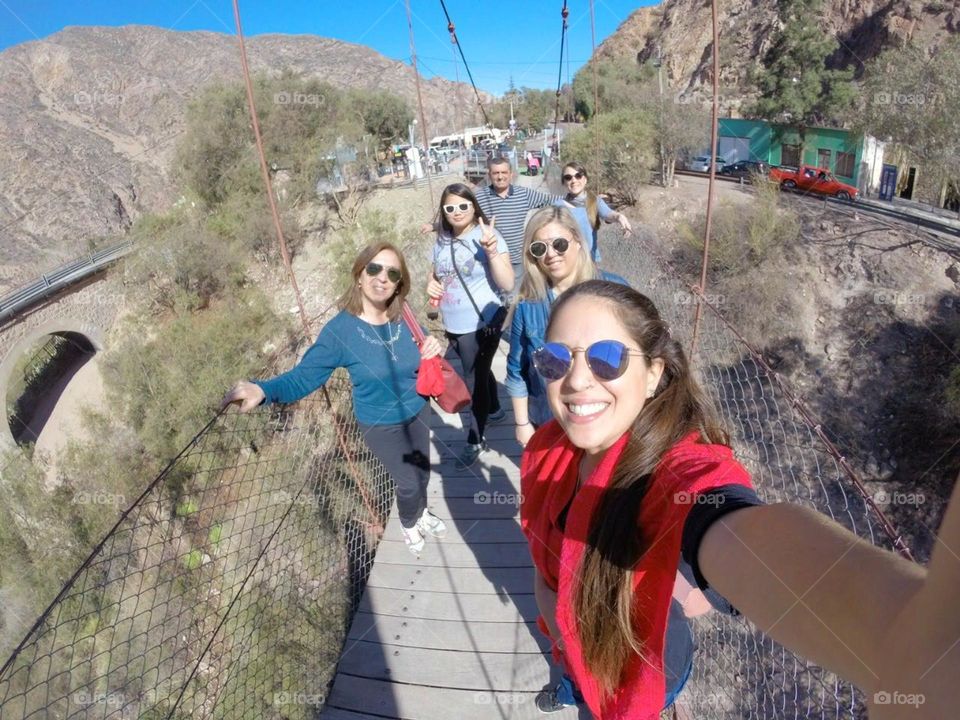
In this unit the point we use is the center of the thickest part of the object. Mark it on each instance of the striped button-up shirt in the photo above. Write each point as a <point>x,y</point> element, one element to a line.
<point>511,211</point>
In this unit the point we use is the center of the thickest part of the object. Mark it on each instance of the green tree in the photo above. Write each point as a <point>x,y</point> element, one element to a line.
<point>382,115</point>
<point>913,98</point>
<point>796,86</point>
<point>621,83</point>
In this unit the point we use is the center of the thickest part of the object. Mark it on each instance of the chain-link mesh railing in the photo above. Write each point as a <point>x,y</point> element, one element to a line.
<point>740,673</point>
<point>227,588</point>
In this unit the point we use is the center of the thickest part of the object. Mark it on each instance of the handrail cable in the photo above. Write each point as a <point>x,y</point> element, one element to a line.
<point>453,34</point>
<point>596,89</point>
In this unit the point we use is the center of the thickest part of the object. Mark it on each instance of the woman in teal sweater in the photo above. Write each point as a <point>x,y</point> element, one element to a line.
<point>369,339</point>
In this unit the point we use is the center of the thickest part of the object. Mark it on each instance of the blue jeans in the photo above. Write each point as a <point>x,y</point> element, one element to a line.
<point>672,694</point>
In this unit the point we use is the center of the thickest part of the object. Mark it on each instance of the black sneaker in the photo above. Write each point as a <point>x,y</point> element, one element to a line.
<point>548,701</point>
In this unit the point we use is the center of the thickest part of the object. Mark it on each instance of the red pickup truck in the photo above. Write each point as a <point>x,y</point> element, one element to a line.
<point>812,179</point>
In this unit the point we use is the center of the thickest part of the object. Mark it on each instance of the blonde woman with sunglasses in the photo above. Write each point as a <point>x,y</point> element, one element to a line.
<point>555,258</point>
<point>471,271</point>
<point>369,338</point>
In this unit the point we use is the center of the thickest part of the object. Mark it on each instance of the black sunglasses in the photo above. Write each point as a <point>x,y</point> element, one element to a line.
<point>607,359</point>
<point>538,248</point>
<point>393,274</point>
<point>577,175</point>
<point>451,209</point>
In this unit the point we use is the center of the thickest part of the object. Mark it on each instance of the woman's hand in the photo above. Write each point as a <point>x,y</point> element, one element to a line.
<point>488,239</point>
<point>434,288</point>
<point>625,224</point>
<point>524,433</point>
<point>246,393</point>
<point>431,347</point>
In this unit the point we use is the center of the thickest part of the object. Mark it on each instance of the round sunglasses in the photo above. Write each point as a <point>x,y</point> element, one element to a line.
<point>451,209</point>
<point>607,359</point>
<point>538,248</point>
<point>393,274</point>
<point>577,175</point>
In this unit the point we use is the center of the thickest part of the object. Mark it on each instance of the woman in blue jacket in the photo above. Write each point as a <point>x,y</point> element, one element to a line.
<point>555,258</point>
<point>369,338</point>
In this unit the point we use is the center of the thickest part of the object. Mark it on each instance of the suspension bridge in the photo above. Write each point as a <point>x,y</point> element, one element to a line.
<point>262,573</point>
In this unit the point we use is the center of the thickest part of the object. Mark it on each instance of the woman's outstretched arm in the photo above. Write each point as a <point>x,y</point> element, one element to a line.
<point>886,624</point>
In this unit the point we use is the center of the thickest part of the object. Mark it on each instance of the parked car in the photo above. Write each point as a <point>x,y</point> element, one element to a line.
<point>745,169</point>
<point>701,163</point>
<point>812,179</point>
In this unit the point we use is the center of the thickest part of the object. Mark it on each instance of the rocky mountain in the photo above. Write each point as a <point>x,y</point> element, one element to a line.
<point>90,118</point>
<point>681,31</point>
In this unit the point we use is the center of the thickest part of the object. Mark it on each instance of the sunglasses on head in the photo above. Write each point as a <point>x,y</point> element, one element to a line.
<point>538,248</point>
<point>393,274</point>
<point>578,175</point>
<point>607,359</point>
<point>451,209</point>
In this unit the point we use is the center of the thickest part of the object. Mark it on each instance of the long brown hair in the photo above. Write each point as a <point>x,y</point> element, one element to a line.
<point>352,299</point>
<point>535,282</point>
<point>603,597</point>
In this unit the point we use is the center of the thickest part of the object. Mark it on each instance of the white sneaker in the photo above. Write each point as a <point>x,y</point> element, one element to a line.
<point>413,539</point>
<point>430,524</point>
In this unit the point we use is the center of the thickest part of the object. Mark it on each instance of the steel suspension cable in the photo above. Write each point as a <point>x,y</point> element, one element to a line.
<point>453,35</point>
<point>423,117</point>
<point>715,112</point>
<point>265,173</point>
<point>565,13</point>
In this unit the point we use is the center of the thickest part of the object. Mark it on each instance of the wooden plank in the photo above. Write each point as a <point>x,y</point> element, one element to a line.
<point>514,637</point>
<point>500,672</point>
<point>468,486</point>
<point>495,530</point>
<point>483,581</point>
<point>414,702</point>
<point>519,607</point>
<point>481,555</point>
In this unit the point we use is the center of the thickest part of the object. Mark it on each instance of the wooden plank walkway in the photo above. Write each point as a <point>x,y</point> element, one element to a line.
<point>452,634</point>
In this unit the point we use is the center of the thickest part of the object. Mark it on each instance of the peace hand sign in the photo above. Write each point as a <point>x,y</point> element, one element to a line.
<point>488,238</point>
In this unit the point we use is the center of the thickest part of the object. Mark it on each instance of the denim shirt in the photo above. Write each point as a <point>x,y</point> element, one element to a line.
<point>527,333</point>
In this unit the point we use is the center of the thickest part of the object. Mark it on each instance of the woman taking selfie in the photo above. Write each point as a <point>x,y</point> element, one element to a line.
<point>555,258</point>
<point>636,471</point>
<point>369,339</point>
<point>471,268</point>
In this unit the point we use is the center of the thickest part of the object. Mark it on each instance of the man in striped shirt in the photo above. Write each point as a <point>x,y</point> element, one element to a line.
<point>509,204</point>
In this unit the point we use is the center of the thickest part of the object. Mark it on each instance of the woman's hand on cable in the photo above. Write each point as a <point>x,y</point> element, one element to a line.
<point>246,393</point>
<point>431,347</point>
<point>488,239</point>
<point>524,433</point>
<point>434,288</point>
<point>624,223</point>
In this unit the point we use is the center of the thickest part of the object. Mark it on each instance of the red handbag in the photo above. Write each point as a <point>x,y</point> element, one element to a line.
<point>436,377</point>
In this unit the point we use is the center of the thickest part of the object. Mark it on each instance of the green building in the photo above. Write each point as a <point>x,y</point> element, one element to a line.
<point>850,157</point>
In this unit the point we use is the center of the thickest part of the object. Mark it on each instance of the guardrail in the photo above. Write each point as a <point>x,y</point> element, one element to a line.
<point>64,276</point>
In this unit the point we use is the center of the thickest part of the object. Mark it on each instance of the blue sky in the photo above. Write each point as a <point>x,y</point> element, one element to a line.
<point>499,37</point>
